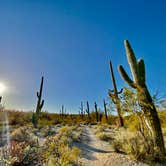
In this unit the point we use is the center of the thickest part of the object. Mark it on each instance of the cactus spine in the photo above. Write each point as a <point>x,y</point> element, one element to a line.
<point>105,110</point>
<point>39,106</point>
<point>145,100</point>
<point>115,98</point>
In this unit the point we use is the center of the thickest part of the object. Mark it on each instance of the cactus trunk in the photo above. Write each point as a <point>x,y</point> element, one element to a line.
<point>151,115</point>
<point>115,98</point>
<point>97,114</point>
<point>82,110</point>
<point>105,110</point>
<point>87,110</point>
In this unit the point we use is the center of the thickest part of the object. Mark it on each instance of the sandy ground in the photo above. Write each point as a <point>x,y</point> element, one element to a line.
<point>99,153</point>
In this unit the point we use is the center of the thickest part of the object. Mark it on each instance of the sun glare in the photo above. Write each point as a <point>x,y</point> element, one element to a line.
<point>2,88</point>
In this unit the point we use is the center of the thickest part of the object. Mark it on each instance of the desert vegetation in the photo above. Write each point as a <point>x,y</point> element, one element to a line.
<point>136,133</point>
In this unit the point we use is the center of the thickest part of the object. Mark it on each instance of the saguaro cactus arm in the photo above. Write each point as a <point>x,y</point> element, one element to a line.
<point>131,60</point>
<point>41,105</point>
<point>125,76</point>
<point>120,91</point>
<point>141,71</point>
<point>38,94</point>
<point>137,69</point>
<point>113,78</point>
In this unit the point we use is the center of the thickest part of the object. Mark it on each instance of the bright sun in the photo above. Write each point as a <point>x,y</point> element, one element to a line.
<point>2,88</point>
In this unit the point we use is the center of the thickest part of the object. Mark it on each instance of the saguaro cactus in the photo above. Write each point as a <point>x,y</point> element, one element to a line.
<point>62,112</point>
<point>87,110</point>
<point>114,96</point>
<point>39,106</point>
<point>97,114</point>
<point>82,110</point>
<point>145,100</point>
<point>105,109</point>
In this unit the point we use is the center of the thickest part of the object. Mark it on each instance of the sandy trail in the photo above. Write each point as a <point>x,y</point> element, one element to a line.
<point>96,152</point>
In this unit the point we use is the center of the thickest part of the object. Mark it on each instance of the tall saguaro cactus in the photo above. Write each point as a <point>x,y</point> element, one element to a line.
<point>97,114</point>
<point>82,110</point>
<point>87,110</point>
<point>62,112</point>
<point>145,100</point>
<point>105,109</point>
<point>39,106</point>
<point>114,96</point>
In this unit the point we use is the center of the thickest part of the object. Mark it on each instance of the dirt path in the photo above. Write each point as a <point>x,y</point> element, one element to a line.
<point>99,153</point>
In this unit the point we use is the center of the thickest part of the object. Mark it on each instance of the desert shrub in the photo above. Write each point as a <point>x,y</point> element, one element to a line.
<point>67,158</point>
<point>131,122</point>
<point>135,144</point>
<point>117,145</point>
<point>42,122</point>
<point>103,136</point>
<point>48,131</point>
<point>19,118</point>
<point>112,120</point>
<point>20,134</point>
<point>21,153</point>
<point>59,150</point>
<point>16,153</point>
<point>103,120</point>
<point>99,128</point>
<point>162,116</point>
<point>65,129</point>
<point>76,136</point>
<point>56,150</point>
<point>24,134</point>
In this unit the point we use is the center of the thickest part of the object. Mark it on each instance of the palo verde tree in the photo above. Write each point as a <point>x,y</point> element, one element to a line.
<point>145,100</point>
<point>115,98</point>
<point>129,101</point>
<point>39,106</point>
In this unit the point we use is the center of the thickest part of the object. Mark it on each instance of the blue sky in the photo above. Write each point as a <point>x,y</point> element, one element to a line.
<point>71,43</point>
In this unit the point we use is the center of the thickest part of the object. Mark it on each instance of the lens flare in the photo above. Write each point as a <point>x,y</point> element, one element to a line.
<point>2,88</point>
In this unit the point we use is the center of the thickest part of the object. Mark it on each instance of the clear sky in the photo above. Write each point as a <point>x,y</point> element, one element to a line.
<point>70,42</point>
